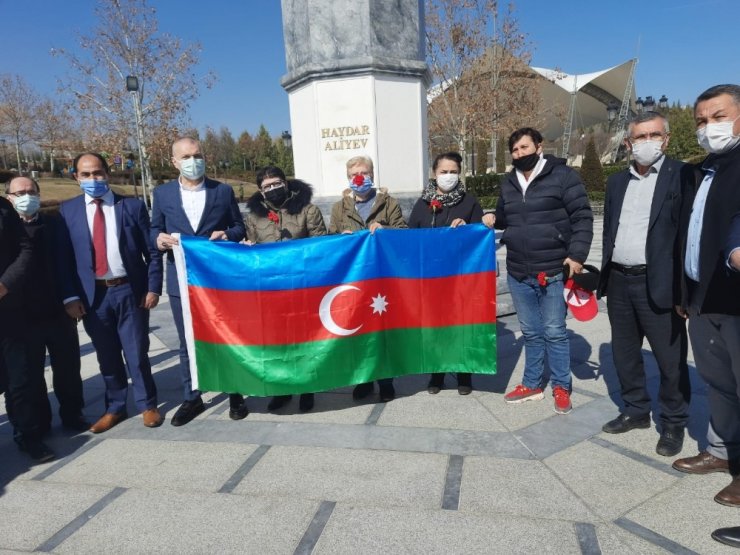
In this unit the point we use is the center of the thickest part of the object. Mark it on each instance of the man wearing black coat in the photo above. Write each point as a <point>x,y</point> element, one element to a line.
<point>640,277</point>
<point>710,289</point>
<point>51,326</point>
<point>22,386</point>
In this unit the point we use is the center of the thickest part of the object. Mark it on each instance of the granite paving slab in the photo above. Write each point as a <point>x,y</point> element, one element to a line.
<point>446,410</point>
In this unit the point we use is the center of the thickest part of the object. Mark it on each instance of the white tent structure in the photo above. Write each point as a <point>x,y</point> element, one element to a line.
<point>580,101</point>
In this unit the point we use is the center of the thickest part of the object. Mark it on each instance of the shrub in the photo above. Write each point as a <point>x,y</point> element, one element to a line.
<point>591,171</point>
<point>485,185</point>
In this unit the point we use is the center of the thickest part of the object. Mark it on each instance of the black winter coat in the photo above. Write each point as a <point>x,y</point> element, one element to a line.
<point>551,222</point>
<point>468,209</point>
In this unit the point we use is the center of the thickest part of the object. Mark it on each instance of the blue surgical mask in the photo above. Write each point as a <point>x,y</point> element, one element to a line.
<point>27,205</point>
<point>193,168</point>
<point>367,184</point>
<point>96,188</point>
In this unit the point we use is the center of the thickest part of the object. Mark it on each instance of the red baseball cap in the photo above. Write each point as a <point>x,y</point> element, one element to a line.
<point>581,302</point>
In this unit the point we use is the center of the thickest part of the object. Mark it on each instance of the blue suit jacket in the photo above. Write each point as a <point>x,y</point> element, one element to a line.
<point>221,213</point>
<point>142,260</point>
<point>661,248</point>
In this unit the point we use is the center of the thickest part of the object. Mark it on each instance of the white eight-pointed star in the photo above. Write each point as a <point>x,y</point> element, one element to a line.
<point>379,304</point>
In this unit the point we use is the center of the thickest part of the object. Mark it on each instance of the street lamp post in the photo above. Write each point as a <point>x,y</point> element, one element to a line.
<point>287,139</point>
<point>132,86</point>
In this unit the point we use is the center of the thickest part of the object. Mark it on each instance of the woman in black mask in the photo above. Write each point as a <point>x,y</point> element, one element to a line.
<point>281,210</point>
<point>548,226</point>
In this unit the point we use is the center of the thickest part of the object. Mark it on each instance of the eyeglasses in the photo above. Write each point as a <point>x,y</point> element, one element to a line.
<point>654,136</point>
<point>274,185</point>
<point>20,194</point>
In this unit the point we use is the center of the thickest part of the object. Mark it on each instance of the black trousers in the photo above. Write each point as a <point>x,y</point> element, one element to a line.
<point>23,386</point>
<point>715,339</point>
<point>58,334</point>
<point>633,318</point>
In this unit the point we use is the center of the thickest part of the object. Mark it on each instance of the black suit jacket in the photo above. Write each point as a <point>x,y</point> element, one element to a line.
<point>16,257</point>
<point>718,288</point>
<point>661,247</point>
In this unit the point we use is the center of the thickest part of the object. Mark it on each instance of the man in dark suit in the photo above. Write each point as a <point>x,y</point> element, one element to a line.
<point>118,280</point>
<point>51,327</point>
<point>710,288</point>
<point>640,277</point>
<point>21,384</point>
<point>193,205</point>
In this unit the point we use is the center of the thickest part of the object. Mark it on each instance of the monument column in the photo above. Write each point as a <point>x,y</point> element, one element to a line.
<point>356,82</point>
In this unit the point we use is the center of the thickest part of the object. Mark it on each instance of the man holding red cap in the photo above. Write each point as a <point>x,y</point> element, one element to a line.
<point>640,278</point>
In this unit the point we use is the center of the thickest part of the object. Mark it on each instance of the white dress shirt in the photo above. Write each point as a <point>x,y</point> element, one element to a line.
<point>115,262</point>
<point>193,203</point>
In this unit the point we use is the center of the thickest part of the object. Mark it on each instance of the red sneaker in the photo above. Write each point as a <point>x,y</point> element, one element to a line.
<point>562,400</point>
<point>522,393</point>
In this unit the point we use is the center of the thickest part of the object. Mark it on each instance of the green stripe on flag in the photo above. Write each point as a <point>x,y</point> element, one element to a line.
<point>323,365</point>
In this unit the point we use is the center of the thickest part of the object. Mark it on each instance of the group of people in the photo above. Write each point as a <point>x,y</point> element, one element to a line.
<point>671,253</point>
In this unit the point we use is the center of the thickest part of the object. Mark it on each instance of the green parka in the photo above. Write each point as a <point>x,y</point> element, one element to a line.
<point>386,211</point>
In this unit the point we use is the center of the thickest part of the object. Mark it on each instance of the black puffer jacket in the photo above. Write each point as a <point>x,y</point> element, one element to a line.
<point>551,222</point>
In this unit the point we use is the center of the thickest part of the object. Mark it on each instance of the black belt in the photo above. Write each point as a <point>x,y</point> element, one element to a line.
<point>113,282</point>
<point>639,270</point>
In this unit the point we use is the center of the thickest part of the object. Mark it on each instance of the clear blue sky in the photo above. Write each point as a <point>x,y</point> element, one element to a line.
<point>684,46</point>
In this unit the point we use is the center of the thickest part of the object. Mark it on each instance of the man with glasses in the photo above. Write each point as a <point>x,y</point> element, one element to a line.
<point>51,326</point>
<point>640,278</point>
<point>193,205</point>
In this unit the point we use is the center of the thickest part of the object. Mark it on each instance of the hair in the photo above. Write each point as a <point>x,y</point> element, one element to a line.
<point>35,184</point>
<point>715,91</point>
<point>269,171</point>
<point>535,135</point>
<point>645,117</point>
<point>452,156</point>
<point>356,160</point>
<point>183,138</point>
<point>96,155</point>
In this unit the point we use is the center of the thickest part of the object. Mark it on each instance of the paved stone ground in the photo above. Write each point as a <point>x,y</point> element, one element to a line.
<point>422,474</point>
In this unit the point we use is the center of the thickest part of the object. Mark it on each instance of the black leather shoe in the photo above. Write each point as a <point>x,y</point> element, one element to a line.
<point>464,383</point>
<point>362,390</point>
<point>436,383</point>
<point>76,423</point>
<point>278,402</point>
<point>239,412</point>
<point>671,441</point>
<point>624,423</point>
<point>728,536</point>
<point>387,392</point>
<point>36,449</point>
<point>305,403</point>
<point>187,411</point>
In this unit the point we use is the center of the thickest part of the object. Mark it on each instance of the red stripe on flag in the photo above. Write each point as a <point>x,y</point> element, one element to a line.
<point>295,316</point>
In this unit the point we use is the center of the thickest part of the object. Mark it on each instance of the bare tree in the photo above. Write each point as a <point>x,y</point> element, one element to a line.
<point>18,103</point>
<point>126,42</point>
<point>52,131</point>
<point>479,58</point>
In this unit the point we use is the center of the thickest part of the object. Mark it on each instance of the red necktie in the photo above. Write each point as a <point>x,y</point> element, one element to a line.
<point>100,251</point>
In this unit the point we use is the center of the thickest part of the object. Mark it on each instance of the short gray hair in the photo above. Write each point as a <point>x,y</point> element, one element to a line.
<point>356,160</point>
<point>715,91</point>
<point>645,117</point>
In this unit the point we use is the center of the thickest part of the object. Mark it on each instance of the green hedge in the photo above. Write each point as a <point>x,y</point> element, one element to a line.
<point>485,185</point>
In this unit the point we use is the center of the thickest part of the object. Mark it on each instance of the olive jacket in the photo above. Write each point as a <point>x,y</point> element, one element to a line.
<point>386,211</point>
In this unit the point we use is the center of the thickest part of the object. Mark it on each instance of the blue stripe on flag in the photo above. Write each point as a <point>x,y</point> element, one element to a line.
<point>323,261</point>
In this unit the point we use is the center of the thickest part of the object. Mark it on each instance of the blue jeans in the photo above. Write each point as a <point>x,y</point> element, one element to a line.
<point>541,312</point>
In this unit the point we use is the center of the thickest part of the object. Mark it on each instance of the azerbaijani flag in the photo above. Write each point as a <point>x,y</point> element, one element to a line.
<point>315,314</point>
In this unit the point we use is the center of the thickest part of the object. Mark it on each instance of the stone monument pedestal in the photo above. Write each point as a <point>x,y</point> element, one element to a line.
<point>357,86</point>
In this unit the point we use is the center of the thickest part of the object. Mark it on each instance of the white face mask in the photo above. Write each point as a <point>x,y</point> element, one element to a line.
<point>193,168</point>
<point>447,181</point>
<point>647,152</point>
<point>717,138</point>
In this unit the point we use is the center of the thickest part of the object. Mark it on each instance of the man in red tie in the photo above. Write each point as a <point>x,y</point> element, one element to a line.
<point>118,280</point>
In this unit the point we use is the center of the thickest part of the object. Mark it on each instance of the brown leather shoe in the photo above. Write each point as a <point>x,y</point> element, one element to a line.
<point>106,422</point>
<point>730,496</point>
<point>703,463</point>
<point>152,418</point>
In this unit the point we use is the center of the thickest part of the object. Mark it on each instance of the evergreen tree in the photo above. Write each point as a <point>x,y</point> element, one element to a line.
<point>592,173</point>
<point>683,144</point>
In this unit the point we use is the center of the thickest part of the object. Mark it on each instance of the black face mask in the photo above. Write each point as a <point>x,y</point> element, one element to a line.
<point>526,163</point>
<point>276,197</point>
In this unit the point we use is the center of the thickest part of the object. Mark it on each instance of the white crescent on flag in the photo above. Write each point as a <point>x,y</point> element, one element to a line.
<point>325,311</point>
